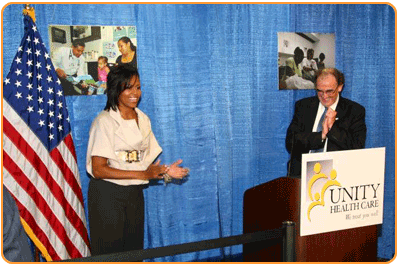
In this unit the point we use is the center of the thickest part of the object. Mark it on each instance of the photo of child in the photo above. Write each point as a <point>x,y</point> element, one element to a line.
<point>102,71</point>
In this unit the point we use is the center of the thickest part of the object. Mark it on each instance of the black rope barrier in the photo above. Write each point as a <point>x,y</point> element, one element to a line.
<point>272,237</point>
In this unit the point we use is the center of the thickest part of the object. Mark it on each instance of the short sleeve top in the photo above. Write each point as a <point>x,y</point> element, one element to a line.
<point>110,134</point>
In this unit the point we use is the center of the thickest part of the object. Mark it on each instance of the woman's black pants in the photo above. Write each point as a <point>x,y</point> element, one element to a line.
<point>116,217</point>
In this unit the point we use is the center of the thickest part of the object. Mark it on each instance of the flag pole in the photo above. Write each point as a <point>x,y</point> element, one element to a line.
<point>30,11</point>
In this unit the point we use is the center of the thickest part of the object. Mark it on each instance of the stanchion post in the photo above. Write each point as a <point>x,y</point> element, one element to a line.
<point>288,252</point>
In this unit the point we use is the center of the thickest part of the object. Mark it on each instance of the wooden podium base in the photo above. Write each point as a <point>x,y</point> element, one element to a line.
<point>267,205</point>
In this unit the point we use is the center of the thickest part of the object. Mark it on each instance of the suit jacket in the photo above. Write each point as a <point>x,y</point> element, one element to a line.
<point>16,247</point>
<point>348,131</point>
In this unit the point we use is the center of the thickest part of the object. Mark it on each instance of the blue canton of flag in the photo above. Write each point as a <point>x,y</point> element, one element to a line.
<point>35,91</point>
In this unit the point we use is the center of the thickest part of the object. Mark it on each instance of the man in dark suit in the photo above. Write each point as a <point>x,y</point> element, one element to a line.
<point>16,247</point>
<point>342,126</point>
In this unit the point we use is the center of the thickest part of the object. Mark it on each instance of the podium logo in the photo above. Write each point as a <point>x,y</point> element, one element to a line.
<point>319,183</point>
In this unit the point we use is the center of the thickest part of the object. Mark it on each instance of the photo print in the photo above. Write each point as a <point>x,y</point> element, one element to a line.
<point>83,55</point>
<point>301,55</point>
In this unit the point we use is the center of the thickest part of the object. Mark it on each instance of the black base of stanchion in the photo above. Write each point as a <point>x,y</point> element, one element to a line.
<point>288,252</point>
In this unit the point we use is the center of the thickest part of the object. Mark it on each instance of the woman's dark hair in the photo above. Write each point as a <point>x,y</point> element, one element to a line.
<point>117,81</point>
<point>127,40</point>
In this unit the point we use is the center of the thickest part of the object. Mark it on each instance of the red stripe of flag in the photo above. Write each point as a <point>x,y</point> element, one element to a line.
<point>30,220</point>
<point>40,167</point>
<point>41,204</point>
<point>70,178</point>
<point>70,144</point>
<point>67,173</point>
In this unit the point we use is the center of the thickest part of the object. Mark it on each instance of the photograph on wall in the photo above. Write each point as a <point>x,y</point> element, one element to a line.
<point>83,55</point>
<point>301,55</point>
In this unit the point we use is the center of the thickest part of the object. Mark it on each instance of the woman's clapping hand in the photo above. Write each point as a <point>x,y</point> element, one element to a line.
<point>176,171</point>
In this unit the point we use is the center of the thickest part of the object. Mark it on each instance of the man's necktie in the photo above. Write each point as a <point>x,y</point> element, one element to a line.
<point>319,129</point>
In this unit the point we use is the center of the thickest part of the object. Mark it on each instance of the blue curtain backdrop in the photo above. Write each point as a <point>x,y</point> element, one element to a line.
<point>209,79</point>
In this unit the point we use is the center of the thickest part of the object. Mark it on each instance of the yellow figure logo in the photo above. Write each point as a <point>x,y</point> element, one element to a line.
<point>318,199</point>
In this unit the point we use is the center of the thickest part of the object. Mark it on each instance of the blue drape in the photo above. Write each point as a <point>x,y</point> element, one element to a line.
<point>209,79</point>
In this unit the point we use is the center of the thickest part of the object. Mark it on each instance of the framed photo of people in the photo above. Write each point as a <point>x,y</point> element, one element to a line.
<point>301,55</point>
<point>82,55</point>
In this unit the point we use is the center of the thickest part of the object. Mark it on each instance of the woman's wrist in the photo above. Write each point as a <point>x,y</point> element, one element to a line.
<point>167,177</point>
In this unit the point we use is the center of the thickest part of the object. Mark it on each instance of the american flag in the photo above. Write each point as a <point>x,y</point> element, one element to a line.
<point>39,160</point>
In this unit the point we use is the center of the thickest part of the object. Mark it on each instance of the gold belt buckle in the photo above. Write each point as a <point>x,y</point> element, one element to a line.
<point>132,156</point>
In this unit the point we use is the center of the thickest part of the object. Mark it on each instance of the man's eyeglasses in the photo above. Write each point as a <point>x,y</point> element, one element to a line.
<point>330,92</point>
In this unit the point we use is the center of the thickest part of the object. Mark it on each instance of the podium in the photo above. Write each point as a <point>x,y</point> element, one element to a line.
<point>267,205</point>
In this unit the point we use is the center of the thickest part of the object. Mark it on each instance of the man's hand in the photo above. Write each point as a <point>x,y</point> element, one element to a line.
<point>61,73</point>
<point>328,122</point>
<point>84,84</point>
<point>330,117</point>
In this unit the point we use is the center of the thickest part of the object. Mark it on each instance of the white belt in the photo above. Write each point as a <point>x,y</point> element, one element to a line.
<point>130,155</point>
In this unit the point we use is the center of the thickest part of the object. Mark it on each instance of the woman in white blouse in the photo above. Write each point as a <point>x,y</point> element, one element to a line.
<point>120,158</point>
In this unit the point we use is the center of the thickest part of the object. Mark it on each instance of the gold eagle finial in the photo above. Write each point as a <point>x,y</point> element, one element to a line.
<point>30,11</point>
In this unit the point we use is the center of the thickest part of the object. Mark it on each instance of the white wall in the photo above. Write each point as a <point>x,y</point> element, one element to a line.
<point>55,46</point>
<point>326,45</point>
